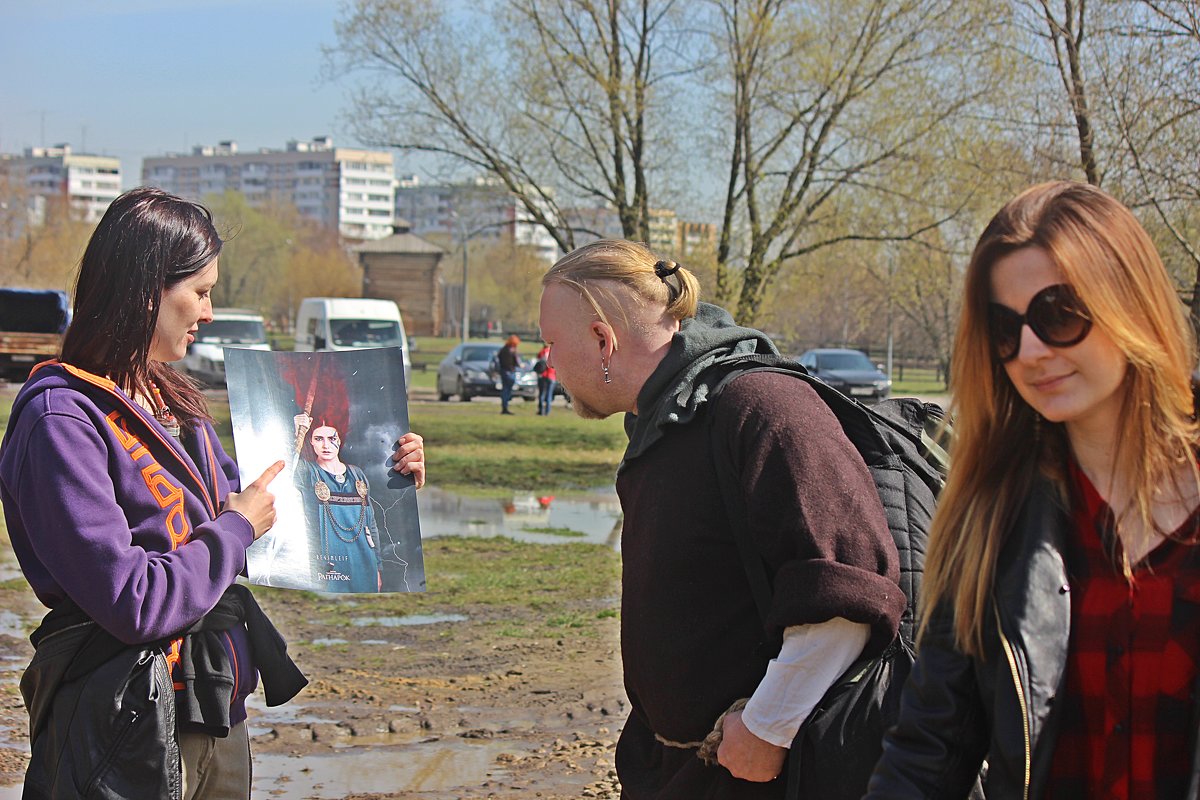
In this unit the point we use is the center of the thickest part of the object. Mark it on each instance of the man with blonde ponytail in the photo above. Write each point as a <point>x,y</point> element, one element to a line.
<point>1061,602</point>
<point>628,335</point>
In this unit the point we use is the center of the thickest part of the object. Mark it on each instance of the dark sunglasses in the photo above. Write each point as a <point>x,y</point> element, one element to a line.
<point>1055,315</point>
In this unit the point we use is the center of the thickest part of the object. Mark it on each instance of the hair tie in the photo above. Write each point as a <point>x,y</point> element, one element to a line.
<point>663,271</point>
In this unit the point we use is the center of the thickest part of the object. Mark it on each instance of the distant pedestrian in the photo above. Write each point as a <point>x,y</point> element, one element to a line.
<point>546,379</point>
<point>507,362</point>
<point>1059,641</point>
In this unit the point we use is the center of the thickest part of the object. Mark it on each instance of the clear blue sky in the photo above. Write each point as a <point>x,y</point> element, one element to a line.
<point>135,78</point>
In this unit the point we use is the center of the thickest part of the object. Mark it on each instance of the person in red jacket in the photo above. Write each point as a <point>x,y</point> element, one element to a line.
<point>546,379</point>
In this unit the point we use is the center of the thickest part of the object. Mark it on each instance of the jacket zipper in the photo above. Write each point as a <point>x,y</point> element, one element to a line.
<point>1012,665</point>
<point>112,753</point>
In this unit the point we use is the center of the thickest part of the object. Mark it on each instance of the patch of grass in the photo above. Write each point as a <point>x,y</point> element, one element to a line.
<point>567,532</point>
<point>524,580</point>
<point>472,449</point>
<point>917,381</point>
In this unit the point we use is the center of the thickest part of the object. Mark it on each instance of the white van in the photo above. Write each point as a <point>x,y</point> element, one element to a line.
<point>230,327</point>
<point>349,323</point>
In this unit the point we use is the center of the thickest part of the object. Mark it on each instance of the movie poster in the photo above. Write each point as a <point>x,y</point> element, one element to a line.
<point>346,522</point>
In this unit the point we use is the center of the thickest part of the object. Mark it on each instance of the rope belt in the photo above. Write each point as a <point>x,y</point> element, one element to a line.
<point>706,750</point>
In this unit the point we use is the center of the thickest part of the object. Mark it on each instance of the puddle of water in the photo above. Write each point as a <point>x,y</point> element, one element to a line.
<point>399,622</point>
<point>12,625</point>
<point>329,642</point>
<point>9,568</point>
<point>288,713</point>
<point>428,766</point>
<point>596,516</point>
<point>424,766</point>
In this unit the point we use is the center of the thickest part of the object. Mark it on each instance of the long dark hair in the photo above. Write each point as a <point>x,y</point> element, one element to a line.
<point>147,241</point>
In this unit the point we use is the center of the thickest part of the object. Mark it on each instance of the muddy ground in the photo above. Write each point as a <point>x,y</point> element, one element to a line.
<point>444,710</point>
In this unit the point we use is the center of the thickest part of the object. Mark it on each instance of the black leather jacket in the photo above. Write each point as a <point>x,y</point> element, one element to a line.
<point>103,715</point>
<point>958,711</point>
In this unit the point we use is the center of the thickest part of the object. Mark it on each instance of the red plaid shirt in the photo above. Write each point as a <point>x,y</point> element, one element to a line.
<point>1131,664</point>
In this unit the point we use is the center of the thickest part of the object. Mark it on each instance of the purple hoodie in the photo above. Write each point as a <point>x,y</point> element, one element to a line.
<point>106,508</point>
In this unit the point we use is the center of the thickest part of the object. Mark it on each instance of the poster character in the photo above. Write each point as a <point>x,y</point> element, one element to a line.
<point>343,538</point>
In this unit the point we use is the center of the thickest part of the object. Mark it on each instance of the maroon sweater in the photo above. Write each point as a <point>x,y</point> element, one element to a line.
<point>689,626</point>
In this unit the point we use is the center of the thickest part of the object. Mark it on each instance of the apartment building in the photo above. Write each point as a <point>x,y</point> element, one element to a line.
<point>350,189</point>
<point>47,175</point>
<point>481,209</point>
<point>669,235</point>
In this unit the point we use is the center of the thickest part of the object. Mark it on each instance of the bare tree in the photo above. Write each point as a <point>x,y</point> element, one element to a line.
<point>560,100</point>
<point>825,99</point>
<point>1148,79</point>
<point>1066,34</point>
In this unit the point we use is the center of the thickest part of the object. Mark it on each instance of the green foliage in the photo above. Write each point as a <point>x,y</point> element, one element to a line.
<point>273,257</point>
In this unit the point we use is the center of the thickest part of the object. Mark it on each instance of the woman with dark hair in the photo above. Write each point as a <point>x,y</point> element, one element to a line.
<point>1059,637</point>
<point>343,546</point>
<point>130,524</point>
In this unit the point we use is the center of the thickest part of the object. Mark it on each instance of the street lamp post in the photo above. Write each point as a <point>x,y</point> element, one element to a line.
<point>465,237</point>
<point>466,305</point>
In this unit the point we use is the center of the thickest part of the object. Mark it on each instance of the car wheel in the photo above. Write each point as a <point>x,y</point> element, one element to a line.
<point>462,392</point>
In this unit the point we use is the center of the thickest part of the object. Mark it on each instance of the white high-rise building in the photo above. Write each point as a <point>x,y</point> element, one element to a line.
<point>350,189</point>
<point>44,175</point>
<point>481,209</point>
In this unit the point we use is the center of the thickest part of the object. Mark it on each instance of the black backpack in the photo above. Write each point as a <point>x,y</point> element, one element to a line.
<point>901,441</point>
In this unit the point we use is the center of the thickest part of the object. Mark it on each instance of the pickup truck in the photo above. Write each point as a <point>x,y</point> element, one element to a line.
<point>32,322</point>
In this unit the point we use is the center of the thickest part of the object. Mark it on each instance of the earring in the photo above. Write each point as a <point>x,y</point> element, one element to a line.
<point>604,366</point>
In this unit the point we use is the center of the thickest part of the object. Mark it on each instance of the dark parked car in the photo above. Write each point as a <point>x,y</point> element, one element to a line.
<point>469,371</point>
<point>848,371</point>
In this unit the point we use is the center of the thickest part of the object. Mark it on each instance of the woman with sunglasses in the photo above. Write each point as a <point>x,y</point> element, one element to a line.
<point>1061,598</point>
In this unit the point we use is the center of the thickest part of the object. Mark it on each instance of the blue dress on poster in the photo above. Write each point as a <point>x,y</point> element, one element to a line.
<point>341,525</point>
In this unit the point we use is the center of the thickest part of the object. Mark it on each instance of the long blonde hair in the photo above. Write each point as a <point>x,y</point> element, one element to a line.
<point>597,268</point>
<point>1000,444</point>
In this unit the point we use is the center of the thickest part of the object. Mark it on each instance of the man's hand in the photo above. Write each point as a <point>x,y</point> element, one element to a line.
<point>745,755</point>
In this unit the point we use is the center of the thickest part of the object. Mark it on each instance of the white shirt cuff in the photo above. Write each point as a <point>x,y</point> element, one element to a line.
<point>811,659</point>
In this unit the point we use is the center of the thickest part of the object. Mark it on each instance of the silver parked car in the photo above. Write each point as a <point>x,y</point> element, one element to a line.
<point>469,370</point>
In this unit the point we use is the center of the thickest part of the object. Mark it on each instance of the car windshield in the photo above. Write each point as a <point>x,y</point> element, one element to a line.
<point>232,331</point>
<point>479,353</point>
<point>845,361</point>
<point>365,332</point>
